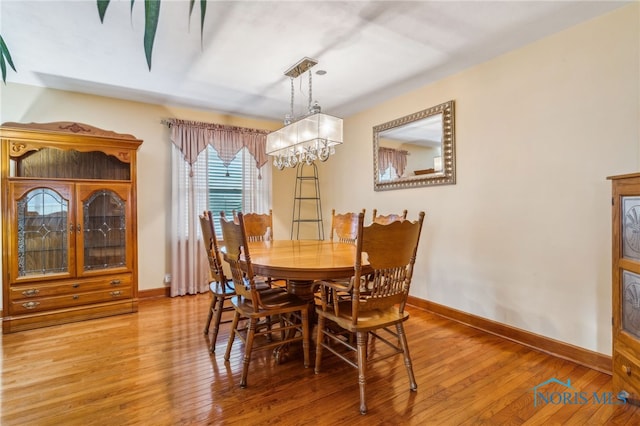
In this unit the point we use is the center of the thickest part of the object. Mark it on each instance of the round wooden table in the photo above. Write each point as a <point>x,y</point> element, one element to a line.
<point>301,263</point>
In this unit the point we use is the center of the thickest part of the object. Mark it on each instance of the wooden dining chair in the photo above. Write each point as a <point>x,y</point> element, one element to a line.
<point>344,226</point>
<point>384,219</point>
<point>344,229</point>
<point>221,288</point>
<point>390,252</point>
<point>258,226</point>
<point>249,303</point>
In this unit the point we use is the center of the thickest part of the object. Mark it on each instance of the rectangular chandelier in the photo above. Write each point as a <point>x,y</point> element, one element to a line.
<point>307,138</point>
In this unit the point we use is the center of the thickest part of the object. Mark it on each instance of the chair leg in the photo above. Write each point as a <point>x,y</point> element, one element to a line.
<point>305,336</point>
<point>362,368</point>
<point>268,322</point>
<point>211,308</point>
<point>253,323</point>
<point>219,308</point>
<point>232,335</point>
<point>283,334</point>
<point>319,340</point>
<point>407,358</point>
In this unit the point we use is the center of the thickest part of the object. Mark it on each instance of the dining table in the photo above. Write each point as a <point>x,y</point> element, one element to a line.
<point>302,263</point>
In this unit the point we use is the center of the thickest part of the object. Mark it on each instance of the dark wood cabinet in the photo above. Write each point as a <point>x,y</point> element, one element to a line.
<point>69,249</point>
<point>626,285</point>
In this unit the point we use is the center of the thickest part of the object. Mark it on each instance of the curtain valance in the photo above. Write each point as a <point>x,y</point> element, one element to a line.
<point>192,137</point>
<point>395,158</point>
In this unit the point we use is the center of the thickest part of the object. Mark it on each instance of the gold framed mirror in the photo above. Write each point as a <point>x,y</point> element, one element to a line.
<point>415,150</point>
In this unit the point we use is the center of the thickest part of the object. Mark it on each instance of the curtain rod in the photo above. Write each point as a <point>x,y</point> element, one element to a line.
<point>172,121</point>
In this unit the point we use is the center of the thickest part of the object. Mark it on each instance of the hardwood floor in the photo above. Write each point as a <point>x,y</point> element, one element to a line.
<point>154,368</point>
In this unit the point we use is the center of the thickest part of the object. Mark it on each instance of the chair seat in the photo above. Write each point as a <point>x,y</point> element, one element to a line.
<point>221,290</point>
<point>276,301</point>
<point>339,285</point>
<point>344,285</point>
<point>367,320</point>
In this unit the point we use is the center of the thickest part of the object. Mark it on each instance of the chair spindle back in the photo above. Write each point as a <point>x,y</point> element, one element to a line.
<point>344,226</point>
<point>391,253</point>
<point>258,226</point>
<point>212,247</point>
<point>236,253</point>
<point>384,219</point>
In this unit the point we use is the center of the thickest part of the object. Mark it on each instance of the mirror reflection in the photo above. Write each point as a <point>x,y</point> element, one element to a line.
<point>415,150</point>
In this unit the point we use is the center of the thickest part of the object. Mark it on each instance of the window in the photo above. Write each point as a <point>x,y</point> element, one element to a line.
<point>388,175</point>
<point>240,186</point>
<point>225,184</point>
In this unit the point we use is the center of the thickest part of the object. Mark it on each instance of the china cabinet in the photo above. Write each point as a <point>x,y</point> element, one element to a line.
<point>69,248</point>
<point>626,286</point>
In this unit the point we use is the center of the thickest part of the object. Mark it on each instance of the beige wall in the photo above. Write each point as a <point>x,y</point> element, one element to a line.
<point>523,238</point>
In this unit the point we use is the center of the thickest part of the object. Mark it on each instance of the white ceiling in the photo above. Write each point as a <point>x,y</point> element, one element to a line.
<point>371,50</point>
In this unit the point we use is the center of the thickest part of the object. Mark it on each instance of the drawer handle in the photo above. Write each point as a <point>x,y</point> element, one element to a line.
<point>30,305</point>
<point>75,285</point>
<point>75,297</point>
<point>627,370</point>
<point>31,292</point>
<point>116,293</point>
<point>115,282</point>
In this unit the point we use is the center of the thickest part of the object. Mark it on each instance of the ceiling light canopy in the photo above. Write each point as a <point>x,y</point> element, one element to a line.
<point>309,137</point>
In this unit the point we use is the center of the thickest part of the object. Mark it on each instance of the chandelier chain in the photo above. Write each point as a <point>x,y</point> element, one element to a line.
<point>310,91</point>
<point>292,93</point>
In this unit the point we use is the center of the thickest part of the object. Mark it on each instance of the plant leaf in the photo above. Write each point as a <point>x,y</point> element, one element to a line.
<point>151,14</point>
<point>4,52</point>
<point>203,11</point>
<point>4,68</point>
<point>191,3</point>
<point>102,9</point>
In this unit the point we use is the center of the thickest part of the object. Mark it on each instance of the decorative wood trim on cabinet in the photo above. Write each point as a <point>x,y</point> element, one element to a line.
<point>69,223</point>
<point>625,285</point>
<point>594,360</point>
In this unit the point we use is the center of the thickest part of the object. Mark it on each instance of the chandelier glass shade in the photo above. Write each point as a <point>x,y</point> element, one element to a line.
<point>310,138</point>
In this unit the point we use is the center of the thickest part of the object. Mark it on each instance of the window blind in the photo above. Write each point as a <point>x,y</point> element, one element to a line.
<point>225,186</point>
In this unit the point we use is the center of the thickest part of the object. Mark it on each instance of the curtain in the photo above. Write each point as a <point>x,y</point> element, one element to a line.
<point>189,265</point>
<point>192,137</point>
<point>189,192</point>
<point>396,158</point>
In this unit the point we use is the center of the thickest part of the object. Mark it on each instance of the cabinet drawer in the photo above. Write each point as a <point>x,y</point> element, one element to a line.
<point>38,304</point>
<point>59,288</point>
<point>627,370</point>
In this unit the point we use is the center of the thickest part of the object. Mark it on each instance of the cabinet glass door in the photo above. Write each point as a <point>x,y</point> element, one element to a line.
<point>631,228</point>
<point>105,233</point>
<point>631,303</point>
<point>43,230</point>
